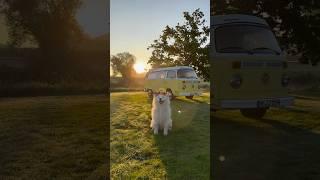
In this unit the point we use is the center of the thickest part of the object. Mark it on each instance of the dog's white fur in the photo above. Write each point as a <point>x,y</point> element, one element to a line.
<point>161,113</point>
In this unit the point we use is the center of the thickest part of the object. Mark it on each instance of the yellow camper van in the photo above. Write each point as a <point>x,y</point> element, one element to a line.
<point>178,81</point>
<point>248,68</point>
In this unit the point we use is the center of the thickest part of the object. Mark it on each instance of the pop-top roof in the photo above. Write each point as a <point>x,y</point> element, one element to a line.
<point>236,18</point>
<point>171,68</point>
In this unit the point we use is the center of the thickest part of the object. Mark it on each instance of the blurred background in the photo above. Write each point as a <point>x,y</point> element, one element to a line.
<point>283,144</point>
<point>297,28</point>
<point>54,104</point>
<point>53,47</point>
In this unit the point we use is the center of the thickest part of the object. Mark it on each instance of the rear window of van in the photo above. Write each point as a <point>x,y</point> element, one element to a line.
<point>187,73</point>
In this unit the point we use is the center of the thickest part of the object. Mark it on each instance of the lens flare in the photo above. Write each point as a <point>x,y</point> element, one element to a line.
<point>139,68</point>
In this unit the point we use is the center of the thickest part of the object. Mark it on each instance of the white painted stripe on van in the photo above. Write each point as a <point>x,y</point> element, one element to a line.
<point>237,104</point>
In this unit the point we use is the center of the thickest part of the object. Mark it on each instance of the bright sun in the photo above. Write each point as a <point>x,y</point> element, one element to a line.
<point>139,68</point>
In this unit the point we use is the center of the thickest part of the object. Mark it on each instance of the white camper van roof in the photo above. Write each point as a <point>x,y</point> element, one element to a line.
<point>171,68</point>
<point>236,18</point>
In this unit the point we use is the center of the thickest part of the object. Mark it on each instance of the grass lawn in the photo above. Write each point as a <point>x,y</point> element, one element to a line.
<point>285,144</point>
<point>137,153</point>
<point>53,137</point>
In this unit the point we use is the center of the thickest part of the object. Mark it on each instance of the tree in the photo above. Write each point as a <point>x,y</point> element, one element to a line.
<point>295,23</point>
<point>185,44</point>
<point>51,24</point>
<point>122,63</point>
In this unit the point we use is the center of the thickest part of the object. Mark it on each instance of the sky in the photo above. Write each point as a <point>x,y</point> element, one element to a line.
<point>92,17</point>
<point>135,24</point>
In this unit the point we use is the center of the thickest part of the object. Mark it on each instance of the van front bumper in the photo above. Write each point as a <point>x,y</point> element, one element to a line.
<point>256,103</point>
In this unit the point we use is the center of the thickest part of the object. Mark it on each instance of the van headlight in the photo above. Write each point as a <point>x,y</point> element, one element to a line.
<point>285,80</point>
<point>236,81</point>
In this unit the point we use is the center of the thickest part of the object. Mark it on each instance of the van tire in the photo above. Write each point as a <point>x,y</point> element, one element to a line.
<point>150,94</point>
<point>172,96</point>
<point>189,97</point>
<point>254,113</point>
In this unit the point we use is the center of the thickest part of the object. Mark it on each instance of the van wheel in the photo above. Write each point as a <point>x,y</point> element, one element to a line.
<point>189,97</point>
<point>254,113</point>
<point>150,94</point>
<point>171,97</point>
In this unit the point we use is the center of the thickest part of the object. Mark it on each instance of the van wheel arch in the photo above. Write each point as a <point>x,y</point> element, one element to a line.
<point>189,97</point>
<point>254,113</point>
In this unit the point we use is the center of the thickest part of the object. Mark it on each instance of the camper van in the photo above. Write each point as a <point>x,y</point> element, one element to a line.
<point>178,81</point>
<point>248,68</point>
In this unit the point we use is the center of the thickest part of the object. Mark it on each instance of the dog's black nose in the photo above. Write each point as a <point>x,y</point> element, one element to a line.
<point>160,99</point>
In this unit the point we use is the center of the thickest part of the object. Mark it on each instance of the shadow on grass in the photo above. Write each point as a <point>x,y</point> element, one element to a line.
<point>196,100</point>
<point>185,151</point>
<point>53,137</point>
<point>244,151</point>
<point>182,100</point>
<point>297,110</point>
<point>185,100</point>
<point>306,97</point>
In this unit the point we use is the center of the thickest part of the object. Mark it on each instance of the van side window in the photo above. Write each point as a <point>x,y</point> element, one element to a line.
<point>171,74</point>
<point>152,75</point>
<point>187,73</point>
<point>162,74</point>
<point>157,75</point>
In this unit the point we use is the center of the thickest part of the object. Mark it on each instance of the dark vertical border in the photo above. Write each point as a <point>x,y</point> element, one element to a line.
<point>211,95</point>
<point>108,88</point>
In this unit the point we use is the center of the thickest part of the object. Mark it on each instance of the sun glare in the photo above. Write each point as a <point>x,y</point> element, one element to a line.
<point>139,68</point>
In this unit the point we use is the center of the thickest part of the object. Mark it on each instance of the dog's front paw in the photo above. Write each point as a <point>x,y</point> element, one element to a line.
<point>165,131</point>
<point>155,132</point>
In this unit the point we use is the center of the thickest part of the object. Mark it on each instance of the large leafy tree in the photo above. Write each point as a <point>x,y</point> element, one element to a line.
<point>122,63</point>
<point>51,24</point>
<point>296,23</point>
<point>185,44</point>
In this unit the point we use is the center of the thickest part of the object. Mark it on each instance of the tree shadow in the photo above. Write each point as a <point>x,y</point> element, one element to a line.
<point>244,151</point>
<point>188,100</point>
<point>185,151</point>
<point>196,100</point>
<point>306,97</point>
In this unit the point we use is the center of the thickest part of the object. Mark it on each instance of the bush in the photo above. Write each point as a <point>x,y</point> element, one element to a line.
<point>81,71</point>
<point>304,80</point>
<point>45,89</point>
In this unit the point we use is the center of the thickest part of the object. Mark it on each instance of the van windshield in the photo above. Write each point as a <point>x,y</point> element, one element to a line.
<point>187,73</point>
<point>245,39</point>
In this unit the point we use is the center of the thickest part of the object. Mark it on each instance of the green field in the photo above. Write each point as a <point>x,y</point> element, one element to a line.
<point>53,137</point>
<point>137,153</point>
<point>285,144</point>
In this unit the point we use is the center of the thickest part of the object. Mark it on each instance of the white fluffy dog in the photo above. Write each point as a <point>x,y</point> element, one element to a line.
<point>161,113</point>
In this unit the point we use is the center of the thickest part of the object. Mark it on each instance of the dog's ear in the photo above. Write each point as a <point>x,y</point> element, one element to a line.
<point>168,94</point>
